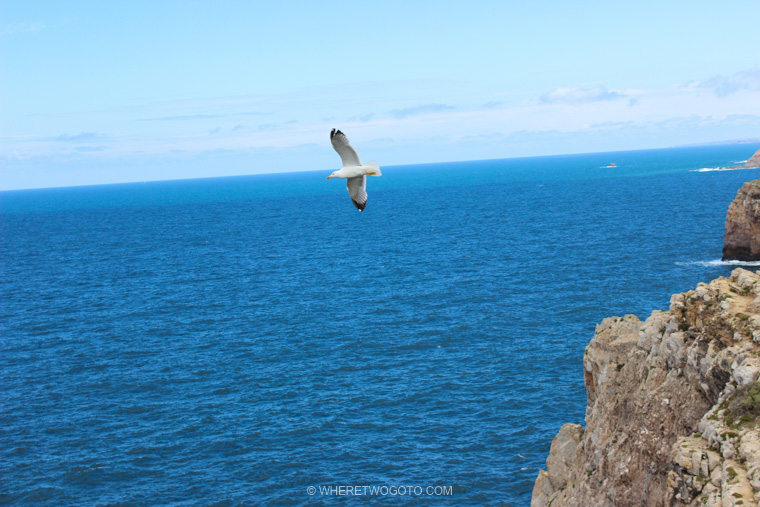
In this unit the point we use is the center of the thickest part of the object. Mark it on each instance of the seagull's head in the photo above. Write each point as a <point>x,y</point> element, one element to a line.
<point>332,175</point>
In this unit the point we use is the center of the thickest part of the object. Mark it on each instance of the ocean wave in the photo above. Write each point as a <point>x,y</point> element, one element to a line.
<point>719,262</point>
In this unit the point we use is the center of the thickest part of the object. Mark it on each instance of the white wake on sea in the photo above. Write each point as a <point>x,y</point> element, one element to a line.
<point>710,169</point>
<point>719,262</point>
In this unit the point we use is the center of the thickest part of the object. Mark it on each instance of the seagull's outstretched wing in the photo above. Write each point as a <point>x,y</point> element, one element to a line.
<point>357,190</point>
<point>347,152</point>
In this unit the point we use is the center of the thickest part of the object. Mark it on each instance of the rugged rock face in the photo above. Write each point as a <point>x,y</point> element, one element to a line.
<point>742,238</point>
<point>673,414</point>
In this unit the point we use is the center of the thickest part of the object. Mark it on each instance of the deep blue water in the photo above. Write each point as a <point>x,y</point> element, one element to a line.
<point>237,340</point>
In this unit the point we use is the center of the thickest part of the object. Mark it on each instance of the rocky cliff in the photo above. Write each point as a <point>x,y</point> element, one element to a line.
<point>742,238</point>
<point>673,414</point>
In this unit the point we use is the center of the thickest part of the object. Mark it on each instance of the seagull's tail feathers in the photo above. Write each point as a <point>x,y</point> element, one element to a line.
<point>372,168</point>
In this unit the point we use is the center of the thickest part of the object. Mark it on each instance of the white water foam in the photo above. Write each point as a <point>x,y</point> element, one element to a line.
<point>719,262</point>
<point>709,169</point>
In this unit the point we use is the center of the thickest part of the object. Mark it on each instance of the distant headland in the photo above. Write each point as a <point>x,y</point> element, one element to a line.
<point>752,163</point>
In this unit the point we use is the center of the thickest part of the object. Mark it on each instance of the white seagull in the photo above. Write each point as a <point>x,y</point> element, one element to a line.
<point>353,171</point>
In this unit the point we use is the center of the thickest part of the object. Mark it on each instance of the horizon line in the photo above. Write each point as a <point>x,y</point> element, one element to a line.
<point>692,145</point>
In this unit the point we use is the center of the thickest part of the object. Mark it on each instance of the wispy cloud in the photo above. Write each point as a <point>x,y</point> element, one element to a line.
<point>400,114</point>
<point>484,137</point>
<point>363,118</point>
<point>22,28</point>
<point>612,124</point>
<point>696,120</point>
<point>87,149</point>
<point>204,116</point>
<point>578,95</point>
<point>77,138</point>
<point>723,86</point>
<point>268,127</point>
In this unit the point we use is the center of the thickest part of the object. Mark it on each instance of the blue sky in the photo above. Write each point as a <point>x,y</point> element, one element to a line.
<point>115,91</point>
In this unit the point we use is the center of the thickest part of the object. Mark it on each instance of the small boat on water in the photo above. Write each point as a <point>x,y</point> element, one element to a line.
<point>612,164</point>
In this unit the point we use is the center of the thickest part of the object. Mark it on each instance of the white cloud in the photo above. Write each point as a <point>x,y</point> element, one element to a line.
<point>723,86</point>
<point>88,149</point>
<point>421,109</point>
<point>363,118</point>
<point>578,95</point>
<point>82,136</point>
<point>214,116</point>
<point>267,127</point>
<point>22,28</point>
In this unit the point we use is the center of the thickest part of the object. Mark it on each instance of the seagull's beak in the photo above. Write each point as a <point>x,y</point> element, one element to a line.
<point>329,177</point>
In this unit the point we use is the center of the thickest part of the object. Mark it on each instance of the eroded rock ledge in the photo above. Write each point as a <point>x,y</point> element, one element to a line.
<point>673,406</point>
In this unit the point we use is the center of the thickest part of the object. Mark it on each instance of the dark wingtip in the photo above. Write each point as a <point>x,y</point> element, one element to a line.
<point>359,205</point>
<point>332,133</point>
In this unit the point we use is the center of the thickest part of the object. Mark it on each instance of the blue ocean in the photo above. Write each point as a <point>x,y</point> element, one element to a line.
<point>258,341</point>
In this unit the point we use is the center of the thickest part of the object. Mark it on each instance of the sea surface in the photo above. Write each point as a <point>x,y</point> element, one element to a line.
<point>236,341</point>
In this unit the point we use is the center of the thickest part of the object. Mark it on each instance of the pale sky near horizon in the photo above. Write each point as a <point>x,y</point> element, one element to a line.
<point>101,92</point>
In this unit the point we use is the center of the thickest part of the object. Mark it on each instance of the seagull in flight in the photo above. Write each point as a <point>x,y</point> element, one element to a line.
<point>353,171</point>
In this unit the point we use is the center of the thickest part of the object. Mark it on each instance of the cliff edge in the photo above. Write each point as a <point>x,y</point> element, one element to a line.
<point>742,239</point>
<point>673,413</point>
